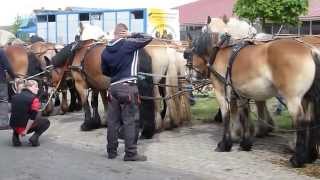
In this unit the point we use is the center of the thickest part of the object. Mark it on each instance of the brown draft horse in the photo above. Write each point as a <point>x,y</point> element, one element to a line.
<point>85,65</point>
<point>28,61</point>
<point>264,122</point>
<point>283,67</point>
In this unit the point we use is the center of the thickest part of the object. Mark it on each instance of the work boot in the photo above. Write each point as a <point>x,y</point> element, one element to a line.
<point>135,157</point>
<point>15,139</point>
<point>34,140</point>
<point>112,155</point>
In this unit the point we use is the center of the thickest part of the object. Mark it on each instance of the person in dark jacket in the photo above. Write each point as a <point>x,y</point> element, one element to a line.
<point>4,107</point>
<point>24,110</point>
<point>119,62</point>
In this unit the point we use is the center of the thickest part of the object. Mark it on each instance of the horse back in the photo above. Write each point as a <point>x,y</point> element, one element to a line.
<point>18,58</point>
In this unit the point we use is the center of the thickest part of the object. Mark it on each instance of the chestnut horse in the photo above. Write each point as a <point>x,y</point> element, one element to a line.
<point>84,61</point>
<point>285,67</point>
<point>31,60</point>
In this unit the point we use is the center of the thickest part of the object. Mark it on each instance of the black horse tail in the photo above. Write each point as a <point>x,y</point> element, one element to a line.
<point>313,111</point>
<point>145,86</point>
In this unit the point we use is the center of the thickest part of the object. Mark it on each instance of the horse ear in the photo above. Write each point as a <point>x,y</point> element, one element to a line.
<point>81,27</point>
<point>208,20</point>
<point>225,19</point>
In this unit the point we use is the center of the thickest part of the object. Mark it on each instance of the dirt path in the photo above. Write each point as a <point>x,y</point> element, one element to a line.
<point>190,149</point>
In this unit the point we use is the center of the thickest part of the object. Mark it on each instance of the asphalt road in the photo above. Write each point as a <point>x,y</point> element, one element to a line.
<point>53,161</point>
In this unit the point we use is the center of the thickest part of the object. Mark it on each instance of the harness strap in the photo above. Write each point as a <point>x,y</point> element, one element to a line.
<point>228,77</point>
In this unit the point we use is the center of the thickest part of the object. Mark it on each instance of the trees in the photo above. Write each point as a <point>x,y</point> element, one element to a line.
<point>16,25</point>
<point>277,11</point>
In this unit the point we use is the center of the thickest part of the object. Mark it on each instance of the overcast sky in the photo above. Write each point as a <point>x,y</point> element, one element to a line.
<point>12,8</point>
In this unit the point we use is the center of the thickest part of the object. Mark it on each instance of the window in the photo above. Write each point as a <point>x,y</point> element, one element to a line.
<point>137,14</point>
<point>316,27</point>
<point>84,16</point>
<point>305,27</point>
<point>42,18</point>
<point>96,16</point>
<point>51,18</point>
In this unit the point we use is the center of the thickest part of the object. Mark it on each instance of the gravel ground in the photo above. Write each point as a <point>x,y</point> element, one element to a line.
<point>191,150</point>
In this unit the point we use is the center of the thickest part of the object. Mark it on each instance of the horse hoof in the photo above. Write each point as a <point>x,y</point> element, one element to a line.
<point>88,127</point>
<point>223,147</point>
<point>146,135</point>
<point>313,156</point>
<point>84,127</point>
<point>295,162</point>
<point>245,145</point>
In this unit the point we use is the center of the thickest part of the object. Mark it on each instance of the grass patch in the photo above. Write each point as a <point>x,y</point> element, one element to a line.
<point>206,107</point>
<point>283,121</point>
<point>204,110</point>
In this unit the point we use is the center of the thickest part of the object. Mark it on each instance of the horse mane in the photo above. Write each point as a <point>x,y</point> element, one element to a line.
<point>201,43</point>
<point>62,56</point>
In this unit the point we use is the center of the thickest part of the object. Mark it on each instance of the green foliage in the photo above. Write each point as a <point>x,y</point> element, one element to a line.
<point>277,11</point>
<point>206,107</point>
<point>16,24</point>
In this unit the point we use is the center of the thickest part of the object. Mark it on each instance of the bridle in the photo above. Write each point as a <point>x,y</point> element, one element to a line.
<point>211,55</point>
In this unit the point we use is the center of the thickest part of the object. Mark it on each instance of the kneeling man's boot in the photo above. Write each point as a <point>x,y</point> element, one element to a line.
<point>15,139</point>
<point>34,140</point>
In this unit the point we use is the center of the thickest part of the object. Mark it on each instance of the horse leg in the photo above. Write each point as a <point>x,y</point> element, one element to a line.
<point>157,107</point>
<point>312,113</point>
<point>103,95</point>
<point>64,104</point>
<point>96,120</point>
<point>75,101</point>
<point>265,123</point>
<point>295,109</point>
<point>147,111</point>
<point>225,144</point>
<point>246,140</point>
<point>84,93</point>
<point>218,117</point>
<point>57,101</point>
<point>236,127</point>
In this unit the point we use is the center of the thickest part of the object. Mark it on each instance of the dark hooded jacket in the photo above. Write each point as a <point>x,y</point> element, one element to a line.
<point>120,57</point>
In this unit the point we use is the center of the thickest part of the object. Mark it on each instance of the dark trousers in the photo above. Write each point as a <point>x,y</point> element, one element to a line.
<point>4,106</point>
<point>123,110</point>
<point>39,126</point>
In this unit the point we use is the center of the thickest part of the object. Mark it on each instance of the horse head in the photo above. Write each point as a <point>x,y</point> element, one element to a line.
<point>88,31</point>
<point>44,52</point>
<point>206,45</point>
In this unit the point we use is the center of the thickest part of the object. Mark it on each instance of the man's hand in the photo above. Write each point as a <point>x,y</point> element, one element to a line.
<point>124,34</point>
<point>23,133</point>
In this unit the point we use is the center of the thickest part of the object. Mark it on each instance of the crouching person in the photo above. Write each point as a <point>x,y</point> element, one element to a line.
<point>24,110</point>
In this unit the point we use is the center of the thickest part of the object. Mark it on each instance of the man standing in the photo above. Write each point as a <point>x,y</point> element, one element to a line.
<point>4,107</point>
<point>119,62</point>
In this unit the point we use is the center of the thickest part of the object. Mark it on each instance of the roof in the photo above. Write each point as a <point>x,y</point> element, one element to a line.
<point>314,10</point>
<point>198,11</point>
<point>72,10</point>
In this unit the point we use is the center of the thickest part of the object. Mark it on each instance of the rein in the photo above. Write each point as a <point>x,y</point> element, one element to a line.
<point>55,89</point>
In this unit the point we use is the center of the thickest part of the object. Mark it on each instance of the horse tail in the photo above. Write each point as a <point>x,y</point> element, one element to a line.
<point>173,103</point>
<point>313,109</point>
<point>145,86</point>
